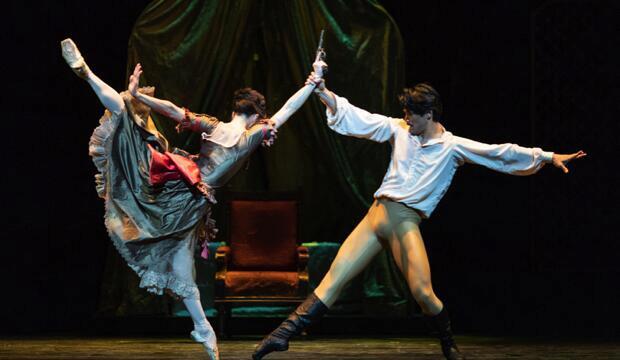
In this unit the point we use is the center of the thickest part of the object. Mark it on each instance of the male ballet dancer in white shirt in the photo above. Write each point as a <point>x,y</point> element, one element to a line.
<point>423,161</point>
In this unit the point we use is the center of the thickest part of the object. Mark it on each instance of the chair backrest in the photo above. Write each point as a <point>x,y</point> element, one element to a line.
<point>263,234</point>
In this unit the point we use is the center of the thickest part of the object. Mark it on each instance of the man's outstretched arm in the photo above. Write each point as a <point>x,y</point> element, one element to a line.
<point>347,119</point>
<point>511,158</point>
<point>327,97</point>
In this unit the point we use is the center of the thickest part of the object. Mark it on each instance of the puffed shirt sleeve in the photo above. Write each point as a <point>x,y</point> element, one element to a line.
<point>506,158</point>
<point>352,121</point>
<point>198,122</point>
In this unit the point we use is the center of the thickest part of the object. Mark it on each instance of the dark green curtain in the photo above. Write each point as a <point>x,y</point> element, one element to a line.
<point>196,53</point>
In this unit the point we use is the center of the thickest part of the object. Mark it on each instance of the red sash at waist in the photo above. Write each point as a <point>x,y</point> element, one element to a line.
<point>168,166</point>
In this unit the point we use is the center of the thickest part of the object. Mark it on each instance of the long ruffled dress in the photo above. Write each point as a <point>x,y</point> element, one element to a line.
<point>158,199</point>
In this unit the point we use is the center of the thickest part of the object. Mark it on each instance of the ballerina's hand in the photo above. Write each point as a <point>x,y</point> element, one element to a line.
<point>134,80</point>
<point>272,133</point>
<point>560,160</point>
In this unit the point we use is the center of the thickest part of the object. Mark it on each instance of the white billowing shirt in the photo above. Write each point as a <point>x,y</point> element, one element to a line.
<point>419,174</point>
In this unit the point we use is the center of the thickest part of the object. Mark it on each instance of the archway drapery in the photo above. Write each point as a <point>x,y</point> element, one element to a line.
<point>196,53</point>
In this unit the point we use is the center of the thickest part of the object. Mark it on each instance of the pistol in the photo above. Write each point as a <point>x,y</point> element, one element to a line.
<point>320,52</point>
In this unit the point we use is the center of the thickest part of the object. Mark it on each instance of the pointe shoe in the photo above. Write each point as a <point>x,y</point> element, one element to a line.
<point>213,352</point>
<point>74,59</point>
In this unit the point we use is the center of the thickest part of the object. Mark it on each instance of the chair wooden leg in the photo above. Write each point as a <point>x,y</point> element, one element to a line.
<point>221,321</point>
<point>228,314</point>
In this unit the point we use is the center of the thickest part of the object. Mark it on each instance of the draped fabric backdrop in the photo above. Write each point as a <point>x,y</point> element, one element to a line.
<point>196,53</point>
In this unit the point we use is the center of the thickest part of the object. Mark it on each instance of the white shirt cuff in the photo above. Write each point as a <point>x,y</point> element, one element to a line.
<point>547,156</point>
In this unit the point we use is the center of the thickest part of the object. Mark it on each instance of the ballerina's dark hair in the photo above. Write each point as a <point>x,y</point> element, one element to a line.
<point>249,102</point>
<point>421,99</point>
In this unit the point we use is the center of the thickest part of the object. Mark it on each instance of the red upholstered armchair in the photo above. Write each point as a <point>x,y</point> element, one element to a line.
<point>263,262</point>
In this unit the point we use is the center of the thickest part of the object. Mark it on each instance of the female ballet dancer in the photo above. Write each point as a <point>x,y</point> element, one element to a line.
<point>158,198</point>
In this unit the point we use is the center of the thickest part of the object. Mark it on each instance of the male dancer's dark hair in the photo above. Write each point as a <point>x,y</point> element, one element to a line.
<point>421,99</point>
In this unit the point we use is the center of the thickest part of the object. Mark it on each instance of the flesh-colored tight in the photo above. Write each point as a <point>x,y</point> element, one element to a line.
<point>396,226</point>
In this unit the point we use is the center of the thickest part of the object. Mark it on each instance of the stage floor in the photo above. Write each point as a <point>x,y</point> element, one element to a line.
<point>71,348</point>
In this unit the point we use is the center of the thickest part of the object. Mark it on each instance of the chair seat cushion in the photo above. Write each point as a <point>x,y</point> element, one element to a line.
<point>261,283</point>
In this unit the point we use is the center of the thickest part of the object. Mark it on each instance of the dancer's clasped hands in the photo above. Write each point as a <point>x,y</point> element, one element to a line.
<point>316,76</point>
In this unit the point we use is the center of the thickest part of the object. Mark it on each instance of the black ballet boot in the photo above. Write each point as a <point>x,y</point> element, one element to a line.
<point>309,311</point>
<point>440,327</point>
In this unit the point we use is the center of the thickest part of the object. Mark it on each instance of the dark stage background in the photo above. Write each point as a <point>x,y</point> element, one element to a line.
<point>510,255</point>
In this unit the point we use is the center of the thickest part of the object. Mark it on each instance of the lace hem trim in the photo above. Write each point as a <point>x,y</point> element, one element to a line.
<point>158,283</point>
